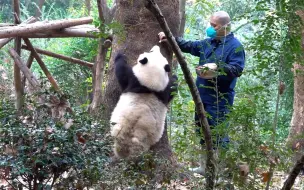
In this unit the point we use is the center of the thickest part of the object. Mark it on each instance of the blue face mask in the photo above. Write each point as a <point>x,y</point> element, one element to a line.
<point>211,32</point>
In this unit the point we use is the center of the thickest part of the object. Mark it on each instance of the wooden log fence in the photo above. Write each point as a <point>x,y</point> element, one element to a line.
<point>62,57</point>
<point>41,64</point>
<point>27,73</point>
<point>42,26</point>
<point>3,42</point>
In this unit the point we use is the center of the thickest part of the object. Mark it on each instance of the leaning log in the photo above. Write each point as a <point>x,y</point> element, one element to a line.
<point>210,161</point>
<point>28,65</point>
<point>43,26</point>
<point>294,173</point>
<point>58,56</point>
<point>27,73</point>
<point>3,42</point>
<point>41,64</point>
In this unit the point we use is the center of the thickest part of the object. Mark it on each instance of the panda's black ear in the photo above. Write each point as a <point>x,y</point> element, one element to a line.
<point>143,61</point>
<point>167,68</point>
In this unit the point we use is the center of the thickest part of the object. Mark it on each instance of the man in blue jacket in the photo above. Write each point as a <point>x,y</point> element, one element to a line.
<point>222,60</point>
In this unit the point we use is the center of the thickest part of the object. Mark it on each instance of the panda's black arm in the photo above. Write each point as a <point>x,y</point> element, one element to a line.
<point>122,70</point>
<point>172,87</point>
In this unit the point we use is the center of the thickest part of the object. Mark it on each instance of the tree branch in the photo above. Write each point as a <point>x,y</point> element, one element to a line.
<point>58,56</point>
<point>293,174</point>
<point>210,169</point>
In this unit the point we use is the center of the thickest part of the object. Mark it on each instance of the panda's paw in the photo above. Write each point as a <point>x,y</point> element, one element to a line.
<point>120,56</point>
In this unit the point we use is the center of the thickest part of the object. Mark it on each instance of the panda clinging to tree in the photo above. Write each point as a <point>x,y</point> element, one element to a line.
<point>138,120</point>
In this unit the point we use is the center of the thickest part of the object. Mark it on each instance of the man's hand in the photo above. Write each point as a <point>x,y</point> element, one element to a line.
<point>207,71</point>
<point>162,37</point>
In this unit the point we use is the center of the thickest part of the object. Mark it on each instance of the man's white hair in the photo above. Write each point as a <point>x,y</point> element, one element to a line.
<point>223,17</point>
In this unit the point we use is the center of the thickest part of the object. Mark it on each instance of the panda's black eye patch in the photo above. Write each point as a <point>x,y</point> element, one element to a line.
<point>167,68</point>
<point>143,61</point>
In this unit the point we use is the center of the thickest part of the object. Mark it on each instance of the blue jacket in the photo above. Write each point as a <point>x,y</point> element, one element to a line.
<point>229,55</point>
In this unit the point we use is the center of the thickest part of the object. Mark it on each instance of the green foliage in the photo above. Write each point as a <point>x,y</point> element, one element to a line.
<point>39,149</point>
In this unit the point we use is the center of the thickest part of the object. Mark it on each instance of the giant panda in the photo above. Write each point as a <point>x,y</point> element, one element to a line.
<point>137,121</point>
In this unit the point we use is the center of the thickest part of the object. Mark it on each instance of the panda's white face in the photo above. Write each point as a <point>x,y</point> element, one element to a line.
<point>152,70</point>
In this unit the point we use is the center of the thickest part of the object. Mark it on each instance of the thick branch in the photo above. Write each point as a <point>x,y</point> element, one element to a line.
<point>3,42</point>
<point>153,7</point>
<point>27,73</point>
<point>293,174</point>
<point>102,8</point>
<point>55,55</point>
<point>42,26</point>
<point>41,64</point>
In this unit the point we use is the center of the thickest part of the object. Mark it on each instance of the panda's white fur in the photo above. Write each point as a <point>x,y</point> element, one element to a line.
<point>146,74</point>
<point>137,121</point>
<point>139,124</point>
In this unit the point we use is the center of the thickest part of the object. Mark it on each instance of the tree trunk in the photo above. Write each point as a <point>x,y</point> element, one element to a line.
<point>141,29</point>
<point>98,69</point>
<point>297,121</point>
<point>39,8</point>
<point>88,6</point>
<point>182,12</point>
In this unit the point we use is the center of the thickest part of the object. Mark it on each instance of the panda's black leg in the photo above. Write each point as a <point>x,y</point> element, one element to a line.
<point>172,87</point>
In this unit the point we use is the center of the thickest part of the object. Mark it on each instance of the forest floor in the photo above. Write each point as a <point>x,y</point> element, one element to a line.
<point>277,183</point>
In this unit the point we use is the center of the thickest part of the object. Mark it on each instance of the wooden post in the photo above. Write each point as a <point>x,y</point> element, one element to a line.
<point>17,74</point>
<point>55,55</point>
<point>42,65</point>
<point>27,73</point>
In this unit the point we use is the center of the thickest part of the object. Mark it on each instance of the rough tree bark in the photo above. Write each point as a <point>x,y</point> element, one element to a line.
<point>141,29</point>
<point>182,12</point>
<point>297,121</point>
